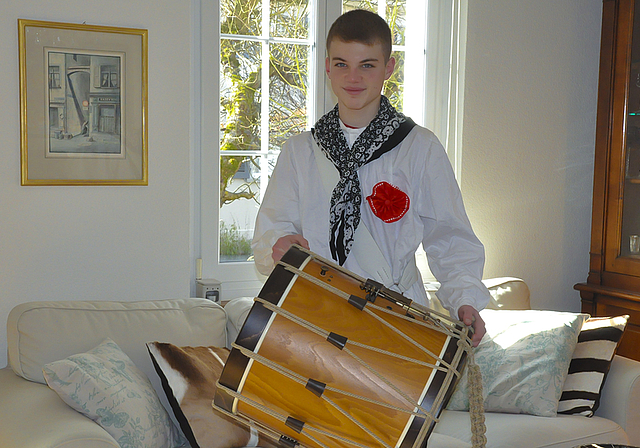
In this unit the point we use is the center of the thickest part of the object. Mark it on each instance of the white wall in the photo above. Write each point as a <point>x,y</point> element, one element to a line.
<point>528,140</point>
<point>75,243</point>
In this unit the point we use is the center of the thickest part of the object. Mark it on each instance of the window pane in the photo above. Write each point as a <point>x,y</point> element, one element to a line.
<point>240,98</point>
<point>396,18</point>
<point>290,19</point>
<point>239,193</point>
<point>288,88</point>
<point>241,17</point>
<point>395,15</point>
<point>394,86</point>
<point>369,5</point>
<point>235,243</point>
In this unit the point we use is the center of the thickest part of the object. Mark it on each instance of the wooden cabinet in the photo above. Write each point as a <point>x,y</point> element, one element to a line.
<point>613,283</point>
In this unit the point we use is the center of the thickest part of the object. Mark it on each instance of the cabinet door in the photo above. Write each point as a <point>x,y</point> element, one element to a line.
<point>622,252</point>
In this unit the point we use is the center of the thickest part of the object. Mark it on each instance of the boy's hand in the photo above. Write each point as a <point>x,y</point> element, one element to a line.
<point>470,316</point>
<point>284,243</point>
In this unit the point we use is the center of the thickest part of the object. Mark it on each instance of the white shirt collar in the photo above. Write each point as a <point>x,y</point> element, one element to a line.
<point>351,134</point>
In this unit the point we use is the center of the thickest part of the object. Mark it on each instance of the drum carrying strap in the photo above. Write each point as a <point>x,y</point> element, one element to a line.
<point>365,249</point>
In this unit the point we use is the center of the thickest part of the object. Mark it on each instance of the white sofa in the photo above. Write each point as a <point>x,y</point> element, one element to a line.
<point>33,416</point>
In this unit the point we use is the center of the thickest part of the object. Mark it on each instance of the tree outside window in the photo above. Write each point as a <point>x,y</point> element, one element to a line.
<point>267,94</point>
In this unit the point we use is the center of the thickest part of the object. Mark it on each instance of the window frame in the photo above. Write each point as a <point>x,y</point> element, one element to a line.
<point>443,101</point>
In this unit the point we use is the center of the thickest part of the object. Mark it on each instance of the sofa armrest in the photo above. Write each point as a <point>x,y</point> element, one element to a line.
<point>34,416</point>
<point>620,398</point>
<point>237,311</point>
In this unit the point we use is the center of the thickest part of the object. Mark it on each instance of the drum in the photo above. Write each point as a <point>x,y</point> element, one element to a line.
<point>328,359</point>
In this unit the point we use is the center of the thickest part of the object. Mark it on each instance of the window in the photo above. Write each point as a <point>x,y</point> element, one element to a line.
<point>108,76</point>
<point>54,77</point>
<point>266,51</point>
<point>247,112</point>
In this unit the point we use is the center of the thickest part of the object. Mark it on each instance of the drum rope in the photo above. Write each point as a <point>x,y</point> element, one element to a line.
<point>420,309</point>
<point>441,395</point>
<point>247,421</point>
<point>300,379</point>
<point>476,400</point>
<point>324,334</point>
<point>476,408</point>
<point>307,428</point>
<point>321,332</point>
<point>406,337</point>
<point>262,408</point>
<point>432,324</point>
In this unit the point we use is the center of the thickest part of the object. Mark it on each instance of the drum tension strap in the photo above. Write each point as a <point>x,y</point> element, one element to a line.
<point>294,424</point>
<point>337,340</point>
<point>358,302</point>
<point>288,442</point>
<point>316,387</point>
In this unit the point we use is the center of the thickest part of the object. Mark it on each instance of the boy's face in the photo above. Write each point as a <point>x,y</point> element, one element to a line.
<point>357,72</point>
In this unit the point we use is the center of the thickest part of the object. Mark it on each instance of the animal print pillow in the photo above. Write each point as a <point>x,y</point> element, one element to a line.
<point>189,376</point>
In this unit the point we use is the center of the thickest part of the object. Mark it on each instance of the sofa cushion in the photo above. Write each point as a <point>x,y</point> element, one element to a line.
<point>524,360</point>
<point>42,332</point>
<point>597,344</point>
<point>237,311</point>
<point>442,441</point>
<point>106,386</point>
<point>507,293</point>
<point>531,431</point>
<point>34,416</point>
<point>189,376</point>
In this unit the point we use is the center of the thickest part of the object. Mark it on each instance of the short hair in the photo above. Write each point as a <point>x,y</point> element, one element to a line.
<point>360,25</point>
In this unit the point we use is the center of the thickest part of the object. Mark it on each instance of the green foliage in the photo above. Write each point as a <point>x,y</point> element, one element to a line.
<point>232,243</point>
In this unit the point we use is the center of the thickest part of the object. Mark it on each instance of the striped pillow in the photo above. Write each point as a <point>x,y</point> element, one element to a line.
<point>597,344</point>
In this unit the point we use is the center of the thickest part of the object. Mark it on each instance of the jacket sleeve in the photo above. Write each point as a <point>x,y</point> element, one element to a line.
<point>279,211</point>
<point>455,254</point>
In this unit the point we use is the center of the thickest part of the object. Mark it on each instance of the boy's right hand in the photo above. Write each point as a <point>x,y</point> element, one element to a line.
<point>284,243</point>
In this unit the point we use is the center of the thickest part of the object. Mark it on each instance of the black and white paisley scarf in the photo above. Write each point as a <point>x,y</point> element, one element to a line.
<point>385,132</point>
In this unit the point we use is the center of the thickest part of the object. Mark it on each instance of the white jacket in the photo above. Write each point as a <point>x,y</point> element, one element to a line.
<point>297,203</point>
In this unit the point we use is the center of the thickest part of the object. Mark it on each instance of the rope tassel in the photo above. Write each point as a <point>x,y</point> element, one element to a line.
<point>476,403</point>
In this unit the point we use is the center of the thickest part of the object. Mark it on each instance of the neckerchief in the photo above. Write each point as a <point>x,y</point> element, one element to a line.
<point>385,132</point>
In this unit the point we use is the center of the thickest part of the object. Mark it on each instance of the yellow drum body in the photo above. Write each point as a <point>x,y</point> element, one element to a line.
<point>317,364</point>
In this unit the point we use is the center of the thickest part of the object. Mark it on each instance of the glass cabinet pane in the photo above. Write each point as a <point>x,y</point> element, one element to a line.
<point>630,234</point>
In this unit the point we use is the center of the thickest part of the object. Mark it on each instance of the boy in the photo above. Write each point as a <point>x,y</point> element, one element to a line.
<point>385,175</point>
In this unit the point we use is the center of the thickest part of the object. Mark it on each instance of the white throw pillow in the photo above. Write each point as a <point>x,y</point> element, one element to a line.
<point>524,360</point>
<point>107,387</point>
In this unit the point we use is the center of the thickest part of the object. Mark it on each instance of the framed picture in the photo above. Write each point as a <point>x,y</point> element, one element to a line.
<point>83,104</point>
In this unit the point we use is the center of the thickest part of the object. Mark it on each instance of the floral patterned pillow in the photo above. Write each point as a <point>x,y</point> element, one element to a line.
<point>106,386</point>
<point>524,360</point>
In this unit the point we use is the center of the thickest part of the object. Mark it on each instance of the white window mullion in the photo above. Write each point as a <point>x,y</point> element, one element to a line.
<point>415,61</point>
<point>326,99</point>
<point>264,93</point>
<point>457,104</point>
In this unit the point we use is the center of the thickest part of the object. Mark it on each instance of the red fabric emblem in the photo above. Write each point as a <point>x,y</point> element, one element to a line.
<point>388,202</point>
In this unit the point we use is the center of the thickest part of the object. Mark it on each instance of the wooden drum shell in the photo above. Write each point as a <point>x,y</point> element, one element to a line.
<point>297,349</point>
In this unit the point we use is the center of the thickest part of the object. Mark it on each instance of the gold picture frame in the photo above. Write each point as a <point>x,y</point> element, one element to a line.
<point>83,104</point>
